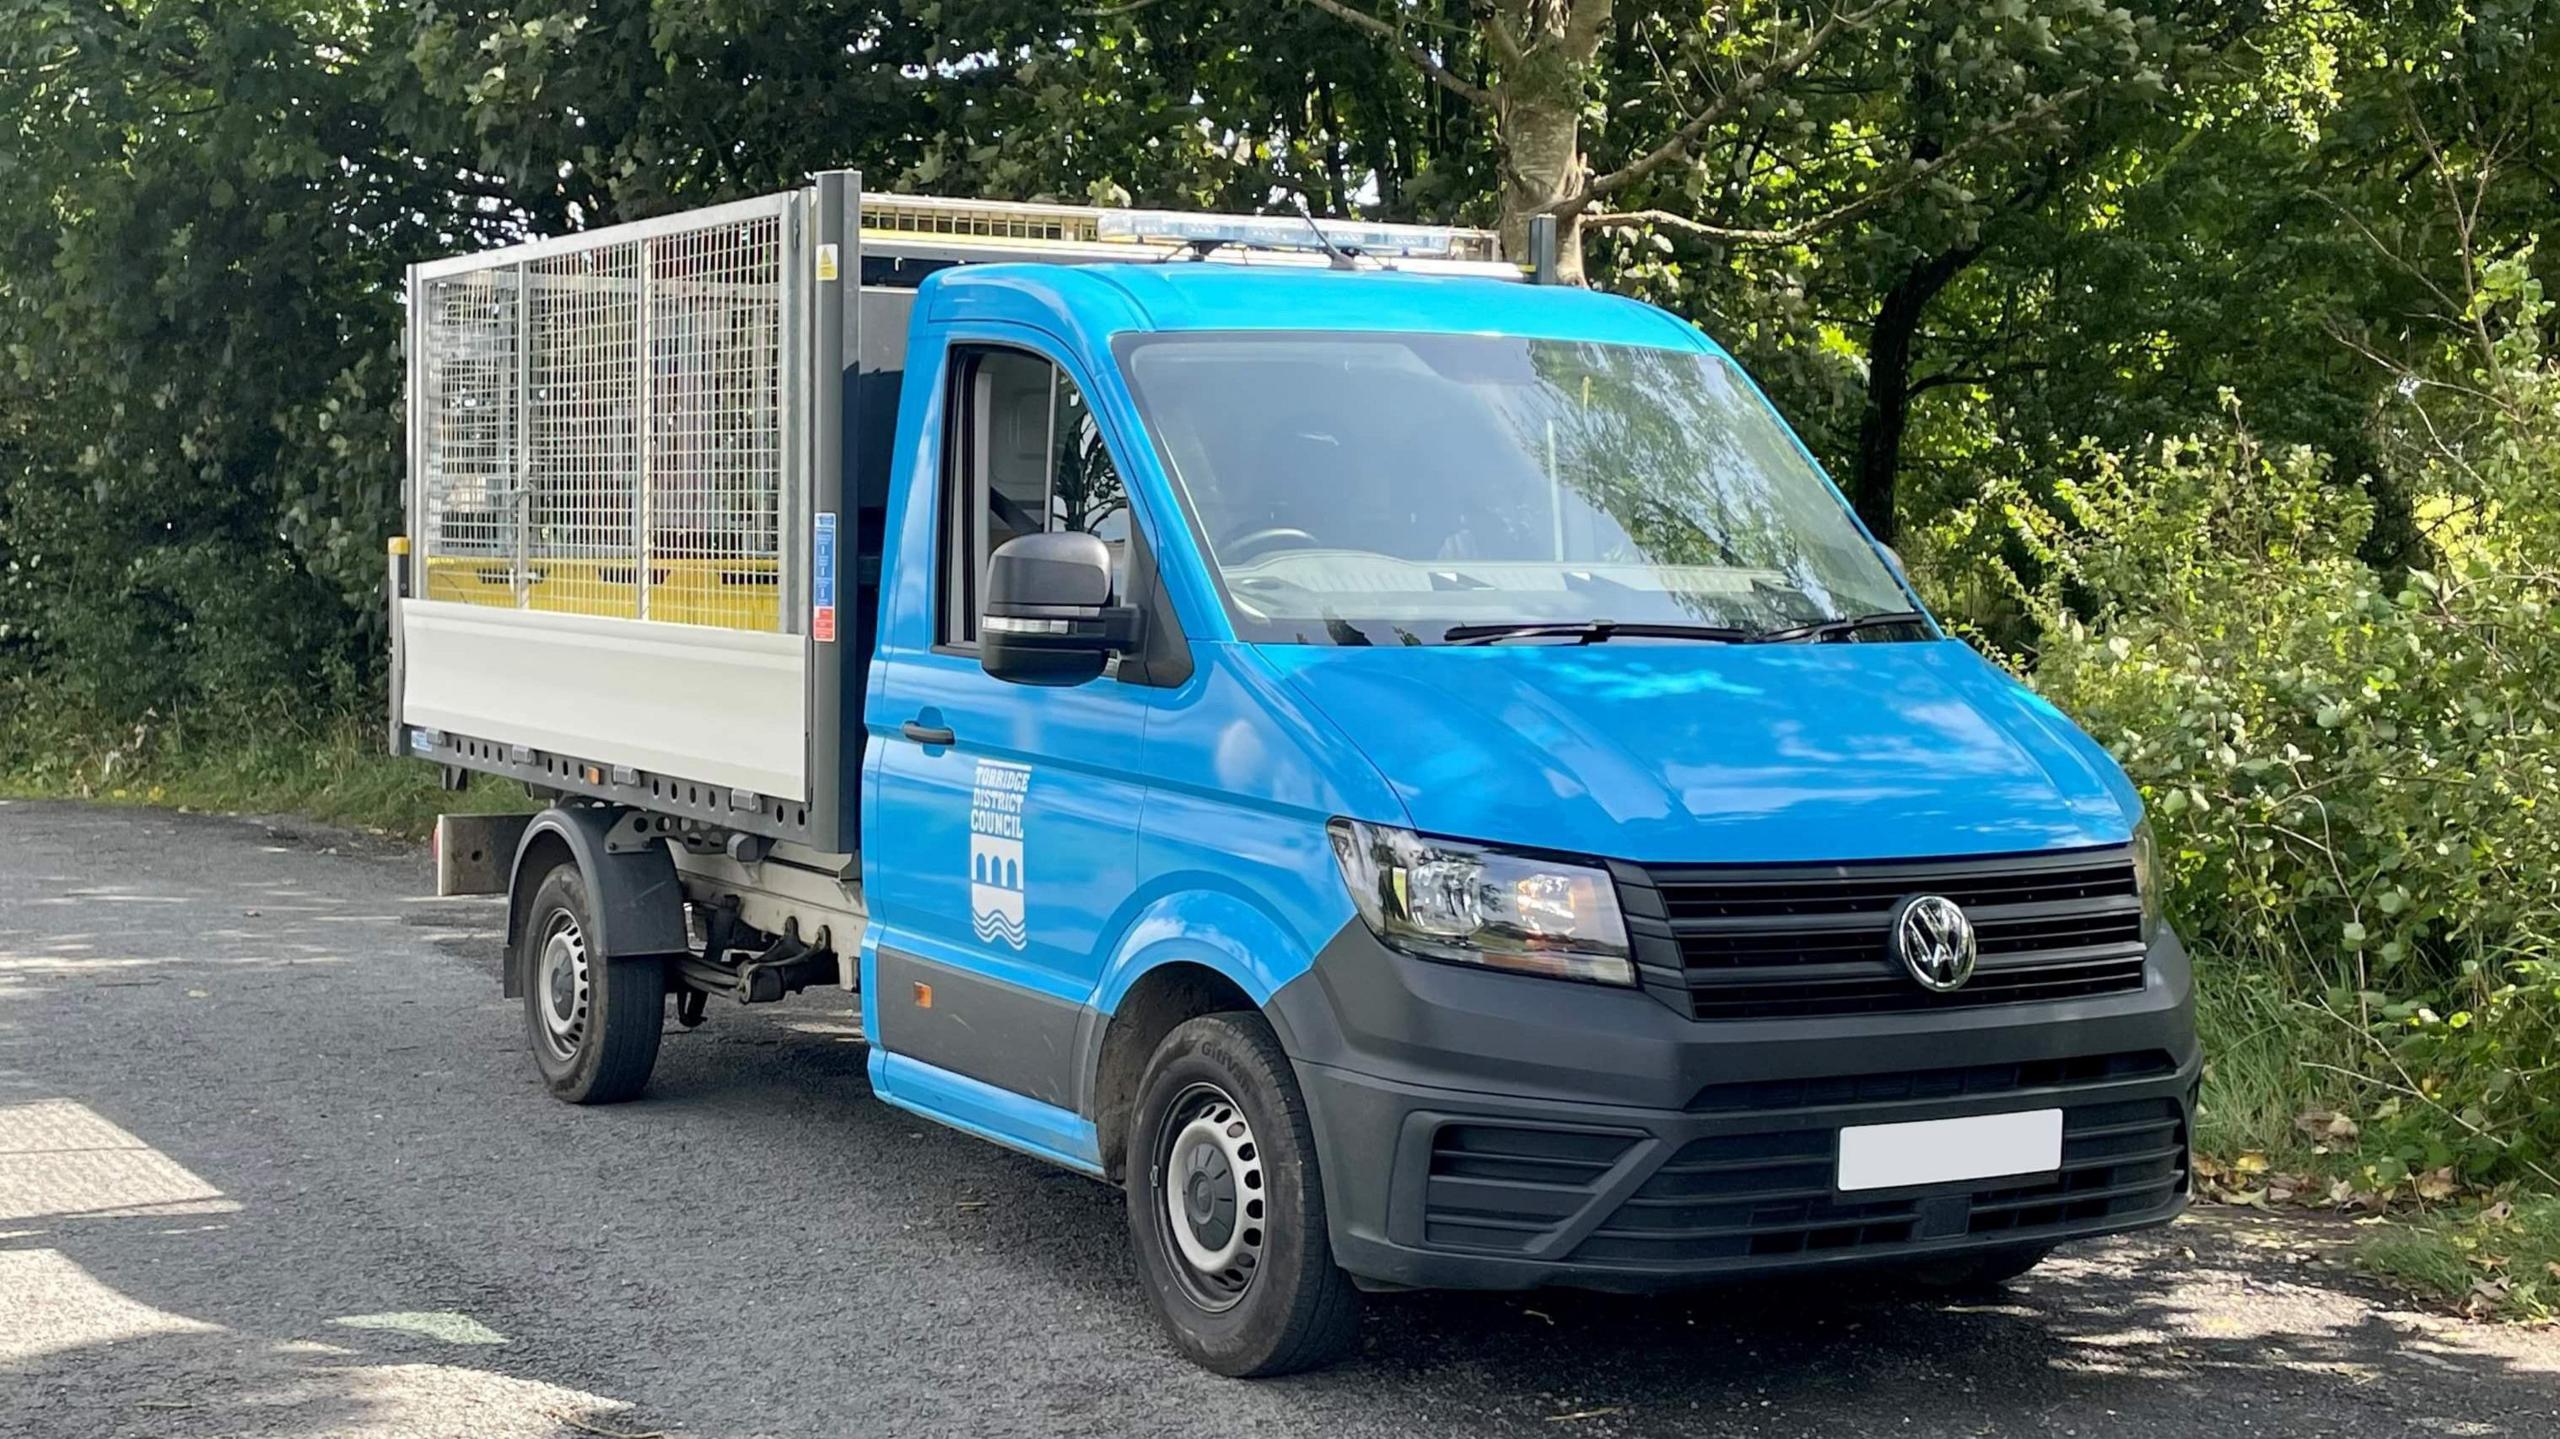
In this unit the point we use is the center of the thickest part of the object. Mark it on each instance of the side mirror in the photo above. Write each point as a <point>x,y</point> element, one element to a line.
<point>1049,618</point>
<point>1893,561</point>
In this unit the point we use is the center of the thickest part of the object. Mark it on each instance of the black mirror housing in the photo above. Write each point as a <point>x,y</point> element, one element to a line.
<point>1049,619</point>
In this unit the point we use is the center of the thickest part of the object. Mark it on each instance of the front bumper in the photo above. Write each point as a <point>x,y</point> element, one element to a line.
<point>1487,1131</point>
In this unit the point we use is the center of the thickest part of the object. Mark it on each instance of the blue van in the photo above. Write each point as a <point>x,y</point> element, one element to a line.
<point>1420,780</point>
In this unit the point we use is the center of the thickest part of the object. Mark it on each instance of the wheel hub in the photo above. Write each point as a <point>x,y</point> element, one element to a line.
<point>565,987</point>
<point>1213,1196</point>
<point>1209,1194</point>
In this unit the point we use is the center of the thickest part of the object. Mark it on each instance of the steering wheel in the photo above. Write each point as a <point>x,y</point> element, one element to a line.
<point>1255,541</point>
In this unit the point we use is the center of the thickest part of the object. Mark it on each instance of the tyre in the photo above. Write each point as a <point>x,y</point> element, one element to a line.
<point>1226,1211</point>
<point>1969,1273</point>
<point>593,1021</point>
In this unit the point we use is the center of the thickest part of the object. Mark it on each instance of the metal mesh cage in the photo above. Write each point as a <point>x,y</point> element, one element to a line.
<point>581,513</point>
<point>715,421</point>
<point>602,425</point>
<point>472,422</point>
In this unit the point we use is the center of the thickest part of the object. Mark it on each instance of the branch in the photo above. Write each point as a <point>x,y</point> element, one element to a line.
<point>2464,222</point>
<point>1677,146</point>
<point>1696,229</point>
<point>1831,220</point>
<point>1943,379</point>
<point>1421,57</point>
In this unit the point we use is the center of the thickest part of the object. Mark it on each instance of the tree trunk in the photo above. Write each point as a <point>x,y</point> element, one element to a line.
<point>1541,120</point>
<point>1888,408</point>
<point>1547,47</point>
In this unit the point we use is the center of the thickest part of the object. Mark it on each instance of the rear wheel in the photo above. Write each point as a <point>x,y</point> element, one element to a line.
<point>593,1020</point>
<point>1225,1207</point>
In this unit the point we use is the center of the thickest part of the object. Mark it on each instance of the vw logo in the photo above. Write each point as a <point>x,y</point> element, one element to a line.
<point>1934,941</point>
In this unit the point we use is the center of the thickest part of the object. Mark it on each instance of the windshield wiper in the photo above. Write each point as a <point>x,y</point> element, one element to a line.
<point>1816,631</point>
<point>1589,632</point>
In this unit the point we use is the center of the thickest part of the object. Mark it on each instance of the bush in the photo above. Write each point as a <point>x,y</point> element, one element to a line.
<point>2355,778</point>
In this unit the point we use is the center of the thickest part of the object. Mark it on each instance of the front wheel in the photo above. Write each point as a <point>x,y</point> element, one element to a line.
<point>1225,1207</point>
<point>594,1021</point>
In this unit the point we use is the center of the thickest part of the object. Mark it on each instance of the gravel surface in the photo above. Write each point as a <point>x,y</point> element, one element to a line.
<point>273,1162</point>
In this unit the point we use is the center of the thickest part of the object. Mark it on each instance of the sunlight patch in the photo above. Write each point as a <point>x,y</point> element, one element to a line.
<point>54,1307</point>
<point>446,1325</point>
<point>61,1159</point>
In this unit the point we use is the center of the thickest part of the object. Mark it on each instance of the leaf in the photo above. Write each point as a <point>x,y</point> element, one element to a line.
<point>2436,1184</point>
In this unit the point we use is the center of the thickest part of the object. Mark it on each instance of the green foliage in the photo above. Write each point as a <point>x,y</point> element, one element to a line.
<point>200,234</point>
<point>2356,775</point>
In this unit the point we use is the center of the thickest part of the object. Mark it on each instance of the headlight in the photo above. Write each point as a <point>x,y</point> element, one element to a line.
<point>1471,904</point>
<point>2146,878</point>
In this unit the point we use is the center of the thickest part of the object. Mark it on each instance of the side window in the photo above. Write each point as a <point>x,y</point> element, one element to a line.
<point>1025,455</point>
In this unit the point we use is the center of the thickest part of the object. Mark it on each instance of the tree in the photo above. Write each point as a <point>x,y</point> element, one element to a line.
<point>200,245</point>
<point>1878,147</point>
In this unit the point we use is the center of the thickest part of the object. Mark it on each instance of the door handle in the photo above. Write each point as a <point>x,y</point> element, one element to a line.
<point>927,734</point>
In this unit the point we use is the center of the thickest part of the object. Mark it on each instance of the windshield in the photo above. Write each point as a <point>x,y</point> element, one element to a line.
<point>1391,488</point>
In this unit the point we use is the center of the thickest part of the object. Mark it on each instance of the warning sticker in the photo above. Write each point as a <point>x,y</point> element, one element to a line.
<point>827,262</point>
<point>822,581</point>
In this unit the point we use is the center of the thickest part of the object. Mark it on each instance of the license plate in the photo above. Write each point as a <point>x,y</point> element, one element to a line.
<point>1940,1151</point>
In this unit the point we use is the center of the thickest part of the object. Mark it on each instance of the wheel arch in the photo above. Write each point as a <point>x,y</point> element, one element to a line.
<point>630,878</point>
<point>1187,954</point>
<point>1159,1001</point>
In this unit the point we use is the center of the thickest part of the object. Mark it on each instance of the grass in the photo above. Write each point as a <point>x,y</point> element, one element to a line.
<point>332,768</point>
<point>2256,1039</point>
<point>2499,1260</point>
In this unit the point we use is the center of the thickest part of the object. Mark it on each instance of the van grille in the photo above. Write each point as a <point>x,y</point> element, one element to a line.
<point>1765,943</point>
<point>1760,1196</point>
<point>1502,1188</point>
<point>1970,1081</point>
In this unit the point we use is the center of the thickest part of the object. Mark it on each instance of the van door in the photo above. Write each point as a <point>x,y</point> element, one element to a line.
<point>1007,815</point>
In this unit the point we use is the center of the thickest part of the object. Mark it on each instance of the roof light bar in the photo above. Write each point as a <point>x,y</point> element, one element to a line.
<point>1293,232</point>
<point>945,229</point>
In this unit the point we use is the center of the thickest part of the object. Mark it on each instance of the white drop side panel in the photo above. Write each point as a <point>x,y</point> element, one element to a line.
<point>691,702</point>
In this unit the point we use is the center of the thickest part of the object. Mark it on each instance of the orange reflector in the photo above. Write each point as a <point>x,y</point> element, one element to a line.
<point>924,996</point>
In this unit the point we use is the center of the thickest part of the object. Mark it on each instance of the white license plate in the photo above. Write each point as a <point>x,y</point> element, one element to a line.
<point>1939,1151</point>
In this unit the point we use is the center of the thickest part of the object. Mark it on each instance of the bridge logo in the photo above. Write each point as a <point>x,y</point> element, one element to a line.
<point>996,873</point>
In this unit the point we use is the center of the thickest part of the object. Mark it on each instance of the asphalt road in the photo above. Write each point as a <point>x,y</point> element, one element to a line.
<point>273,1162</point>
